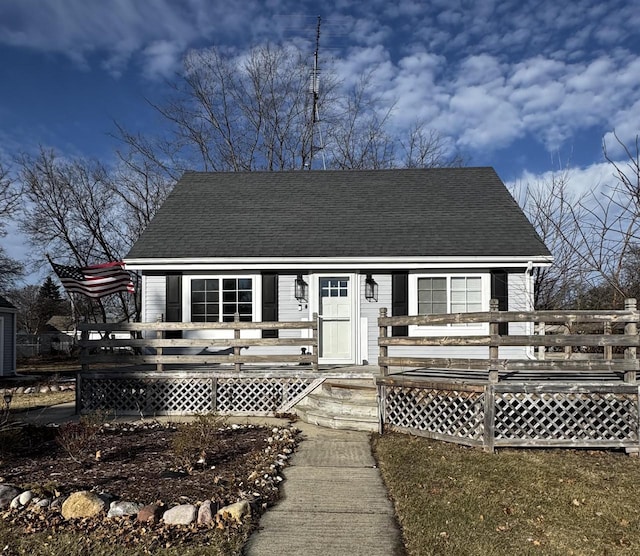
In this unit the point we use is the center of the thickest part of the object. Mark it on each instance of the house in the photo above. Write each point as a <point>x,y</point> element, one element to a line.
<point>342,244</point>
<point>8,325</point>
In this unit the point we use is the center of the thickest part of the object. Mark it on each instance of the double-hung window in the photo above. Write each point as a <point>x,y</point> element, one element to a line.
<point>449,294</point>
<point>218,299</point>
<point>442,294</point>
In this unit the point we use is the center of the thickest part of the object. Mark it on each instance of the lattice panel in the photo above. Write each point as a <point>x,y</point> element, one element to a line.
<point>448,412</point>
<point>257,394</point>
<point>116,395</point>
<point>152,396</point>
<point>148,396</point>
<point>566,416</point>
<point>193,395</point>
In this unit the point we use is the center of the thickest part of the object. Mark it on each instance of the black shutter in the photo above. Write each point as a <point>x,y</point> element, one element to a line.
<point>173,300</point>
<point>500,291</point>
<point>399,301</point>
<point>269,302</point>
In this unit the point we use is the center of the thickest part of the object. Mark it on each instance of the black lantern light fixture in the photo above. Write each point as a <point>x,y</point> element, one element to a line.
<point>301,289</point>
<point>370,289</point>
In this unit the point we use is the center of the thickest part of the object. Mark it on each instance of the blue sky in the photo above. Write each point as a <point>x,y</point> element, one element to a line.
<point>524,86</point>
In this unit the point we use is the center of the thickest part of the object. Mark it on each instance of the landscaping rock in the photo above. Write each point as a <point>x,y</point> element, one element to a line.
<point>25,497</point>
<point>235,512</point>
<point>205,513</point>
<point>119,509</point>
<point>15,503</point>
<point>184,514</point>
<point>7,494</point>
<point>151,513</point>
<point>82,504</point>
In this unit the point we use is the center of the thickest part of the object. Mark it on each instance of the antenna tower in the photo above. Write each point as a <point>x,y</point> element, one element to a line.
<point>315,114</point>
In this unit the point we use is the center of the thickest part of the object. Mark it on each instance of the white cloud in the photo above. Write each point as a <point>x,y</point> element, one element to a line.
<point>162,59</point>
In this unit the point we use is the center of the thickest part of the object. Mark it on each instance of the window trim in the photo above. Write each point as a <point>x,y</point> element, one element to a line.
<point>448,329</point>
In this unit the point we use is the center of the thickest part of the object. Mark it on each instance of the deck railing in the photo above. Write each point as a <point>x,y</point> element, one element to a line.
<point>591,341</point>
<point>154,348</point>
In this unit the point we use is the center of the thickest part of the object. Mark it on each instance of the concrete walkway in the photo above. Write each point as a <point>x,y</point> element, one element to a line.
<point>333,502</point>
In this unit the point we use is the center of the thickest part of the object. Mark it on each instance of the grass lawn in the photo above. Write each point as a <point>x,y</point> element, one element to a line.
<point>15,542</point>
<point>22,402</point>
<point>455,500</point>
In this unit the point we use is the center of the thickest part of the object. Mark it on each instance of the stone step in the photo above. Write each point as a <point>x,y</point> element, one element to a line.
<point>341,422</point>
<point>341,404</point>
<point>332,406</point>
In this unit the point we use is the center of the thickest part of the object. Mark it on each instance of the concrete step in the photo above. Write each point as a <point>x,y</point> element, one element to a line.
<point>341,404</point>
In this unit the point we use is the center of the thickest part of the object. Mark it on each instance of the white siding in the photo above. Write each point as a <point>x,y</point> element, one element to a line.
<point>289,309</point>
<point>370,310</point>
<point>154,298</point>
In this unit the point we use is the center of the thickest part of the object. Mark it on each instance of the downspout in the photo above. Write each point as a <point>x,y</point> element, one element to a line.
<point>528,284</point>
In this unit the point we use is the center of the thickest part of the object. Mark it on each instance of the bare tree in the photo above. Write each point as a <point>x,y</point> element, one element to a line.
<point>594,237</point>
<point>256,112</point>
<point>427,148</point>
<point>556,214</point>
<point>26,302</point>
<point>10,269</point>
<point>71,213</point>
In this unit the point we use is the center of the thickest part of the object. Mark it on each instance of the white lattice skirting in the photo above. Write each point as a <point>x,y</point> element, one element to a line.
<point>517,414</point>
<point>184,393</point>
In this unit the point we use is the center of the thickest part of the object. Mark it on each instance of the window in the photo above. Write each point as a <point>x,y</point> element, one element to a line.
<point>334,287</point>
<point>218,299</point>
<point>449,294</point>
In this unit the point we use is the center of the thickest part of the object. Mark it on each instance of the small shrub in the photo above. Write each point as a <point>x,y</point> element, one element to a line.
<point>195,443</point>
<point>79,439</point>
<point>10,437</point>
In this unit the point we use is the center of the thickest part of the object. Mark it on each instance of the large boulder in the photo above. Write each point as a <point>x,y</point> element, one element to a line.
<point>151,513</point>
<point>120,509</point>
<point>184,514</point>
<point>83,504</point>
<point>235,512</point>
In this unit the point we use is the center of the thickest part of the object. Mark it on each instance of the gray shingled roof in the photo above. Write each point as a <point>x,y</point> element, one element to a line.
<point>377,213</point>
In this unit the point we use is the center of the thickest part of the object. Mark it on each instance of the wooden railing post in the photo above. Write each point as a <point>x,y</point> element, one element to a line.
<point>384,350</point>
<point>568,350</point>
<point>630,353</point>
<point>542,350</point>
<point>236,348</point>
<point>160,336</point>
<point>314,336</point>
<point>608,350</point>
<point>494,330</point>
<point>84,350</point>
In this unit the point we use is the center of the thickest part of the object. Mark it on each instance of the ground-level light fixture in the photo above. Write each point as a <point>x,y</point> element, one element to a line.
<point>370,288</point>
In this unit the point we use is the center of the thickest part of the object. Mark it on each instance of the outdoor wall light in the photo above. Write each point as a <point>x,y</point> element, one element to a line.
<point>370,289</point>
<point>301,289</point>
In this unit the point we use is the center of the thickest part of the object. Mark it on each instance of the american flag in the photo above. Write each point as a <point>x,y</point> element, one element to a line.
<point>94,281</point>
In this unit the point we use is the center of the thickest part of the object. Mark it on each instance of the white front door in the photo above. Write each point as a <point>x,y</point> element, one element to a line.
<point>335,312</point>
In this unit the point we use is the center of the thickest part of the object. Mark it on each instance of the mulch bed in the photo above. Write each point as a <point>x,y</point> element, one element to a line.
<point>137,463</point>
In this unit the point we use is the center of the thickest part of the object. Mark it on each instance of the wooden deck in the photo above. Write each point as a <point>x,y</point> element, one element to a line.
<point>580,389</point>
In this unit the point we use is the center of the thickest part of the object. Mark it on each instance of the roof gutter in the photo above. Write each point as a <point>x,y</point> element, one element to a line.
<point>333,263</point>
